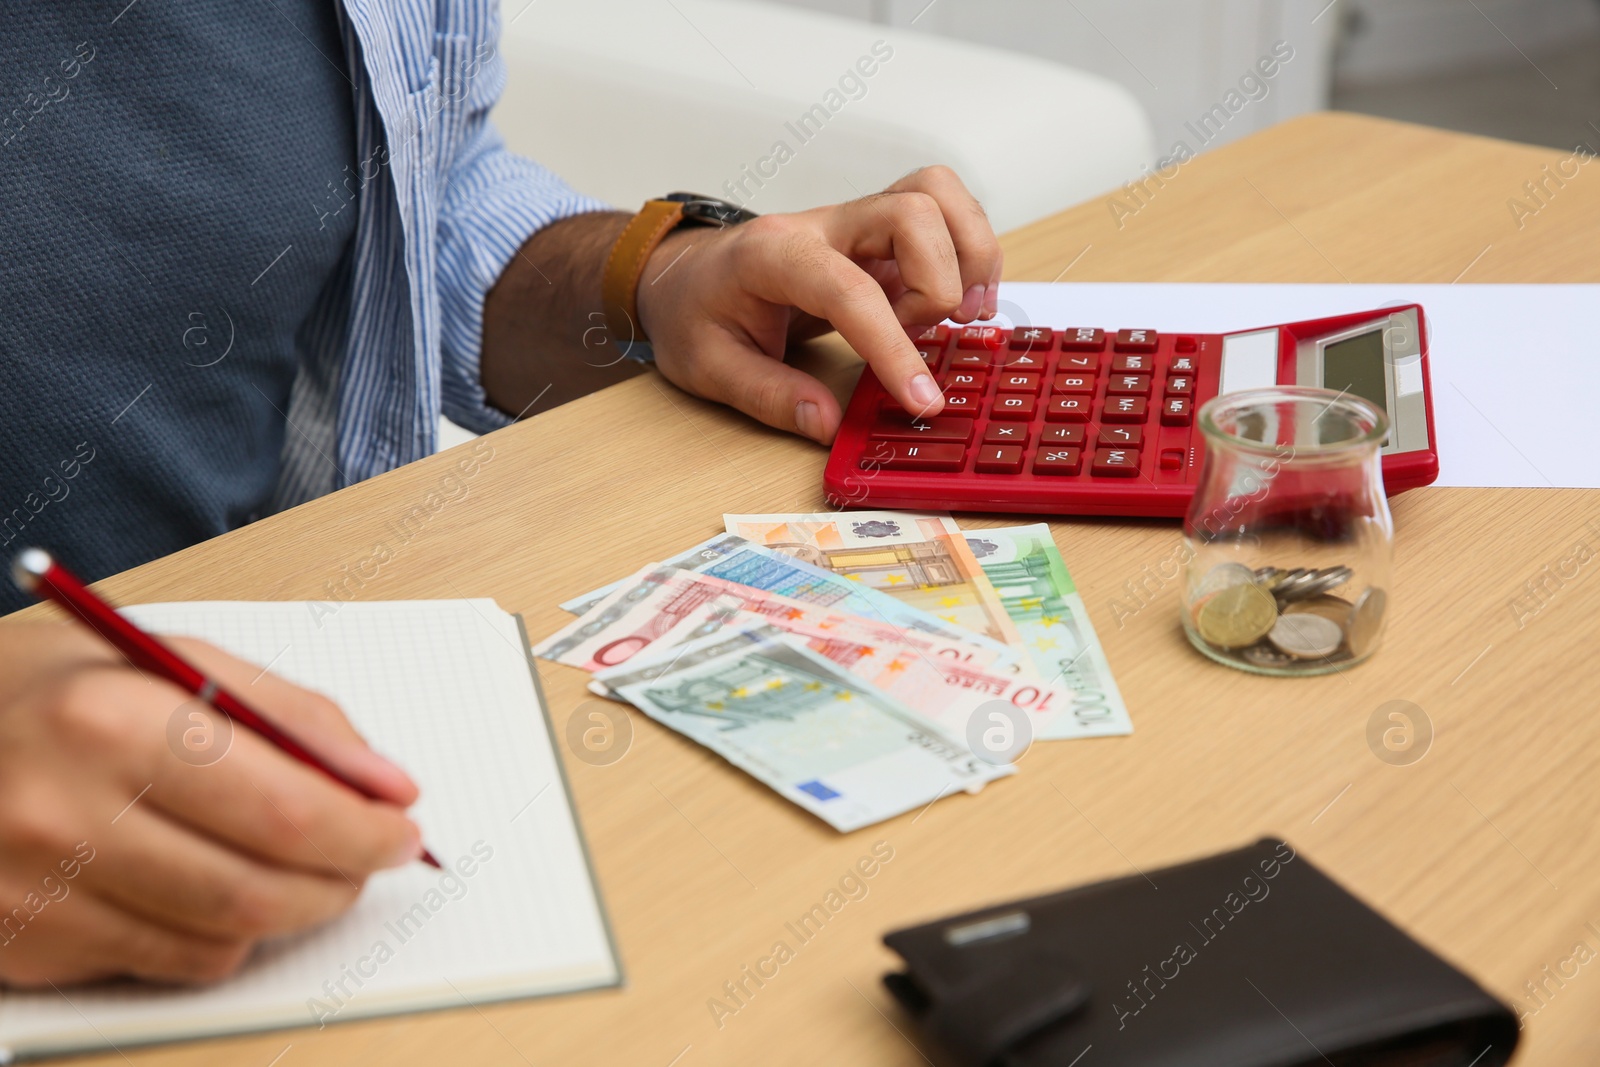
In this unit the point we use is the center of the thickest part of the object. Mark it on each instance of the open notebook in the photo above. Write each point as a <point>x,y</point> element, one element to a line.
<point>446,689</point>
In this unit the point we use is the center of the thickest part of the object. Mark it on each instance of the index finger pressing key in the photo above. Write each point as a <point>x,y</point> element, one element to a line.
<point>807,272</point>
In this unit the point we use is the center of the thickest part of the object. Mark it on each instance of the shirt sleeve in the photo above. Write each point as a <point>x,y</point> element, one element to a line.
<point>494,200</point>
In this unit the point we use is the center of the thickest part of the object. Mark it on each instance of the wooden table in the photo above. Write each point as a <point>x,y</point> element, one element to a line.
<point>1486,849</point>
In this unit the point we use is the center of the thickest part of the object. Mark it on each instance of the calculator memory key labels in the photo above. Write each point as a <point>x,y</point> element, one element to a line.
<point>1126,409</point>
<point>1082,339</point>
<point>1115,462</point>
<point>1138,362</point>
<point>1136,341</point>
<point>1130,384</point>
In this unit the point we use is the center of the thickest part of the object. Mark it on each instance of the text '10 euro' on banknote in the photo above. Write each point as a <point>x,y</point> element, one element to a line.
<point>837,747</point>
<point>948,692</point>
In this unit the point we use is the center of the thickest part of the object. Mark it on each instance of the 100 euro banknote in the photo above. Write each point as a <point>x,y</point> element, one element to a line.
<point>920,560</point>
<point>832,744</point>
<point>1032,582</point>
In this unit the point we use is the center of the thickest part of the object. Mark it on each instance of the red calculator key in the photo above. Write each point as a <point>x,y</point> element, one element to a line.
<point>1136,341</point>
<point>1176,411</point>
<point>1115,462</point>
<point>1006,433</point>
<point>1141,362</point>
<point>1183,365</point>
<point>1082,339</point>
<point>962,403</point>
<point>1061,435</point>
<point>1126,409</point>
<point>1069,409</point>
<point>1172,459</point>
<point>914,456</point>
<point>1119,436</point>
<point>902,427</point>
<point>1130,384</point>
<point>999,459</point>
<point>1079,364</point>
<point>1017,382</point>
<point>1032,338</point>
<point>1073,383</point>
<point>965,379</point>
<point>1014,406</point>
<point>1186,344</point>
<point>1066,461</point>
<point>1180,385</point>
<point>930,356</point>
<point>1011,359</point>
<point>933,335</point>
<point>974,338</point>
<point>969,359</point>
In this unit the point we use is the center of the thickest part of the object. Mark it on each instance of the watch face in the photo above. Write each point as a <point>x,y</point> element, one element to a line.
<point>709,211</point>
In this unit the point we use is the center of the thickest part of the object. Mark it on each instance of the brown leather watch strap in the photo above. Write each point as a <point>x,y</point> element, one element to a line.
<point>619,285</point>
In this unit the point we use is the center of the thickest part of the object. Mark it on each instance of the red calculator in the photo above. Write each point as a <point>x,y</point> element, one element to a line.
<point>1085,421</point>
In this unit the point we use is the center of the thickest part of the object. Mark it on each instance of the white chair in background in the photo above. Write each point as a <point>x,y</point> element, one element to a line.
<point>628,99</point>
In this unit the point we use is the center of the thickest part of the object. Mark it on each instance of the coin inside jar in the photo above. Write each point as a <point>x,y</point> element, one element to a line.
<point>1366,620</point>
<point>1223,576</point>
<point>1306,636</point>
<point>1327,605</point>
<point>1263,654</point>
<point>1237,616</point>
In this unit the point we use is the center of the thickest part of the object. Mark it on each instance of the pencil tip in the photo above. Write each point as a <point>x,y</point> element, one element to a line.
<point>427,857</point>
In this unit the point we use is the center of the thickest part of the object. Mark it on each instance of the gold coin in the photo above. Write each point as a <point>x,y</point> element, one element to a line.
<point>1366,621</point>
<point>1328,606</point>
<point>1237,616</point>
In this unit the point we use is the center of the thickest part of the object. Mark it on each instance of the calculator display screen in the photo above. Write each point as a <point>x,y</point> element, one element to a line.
<point>1356,365</point>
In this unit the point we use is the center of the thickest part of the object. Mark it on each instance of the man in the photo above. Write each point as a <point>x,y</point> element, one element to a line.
<point>251,252</point>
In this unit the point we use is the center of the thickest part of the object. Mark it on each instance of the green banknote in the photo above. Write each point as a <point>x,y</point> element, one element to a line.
<point>1028,574</point>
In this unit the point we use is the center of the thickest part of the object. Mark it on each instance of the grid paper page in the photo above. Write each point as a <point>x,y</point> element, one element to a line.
<point>443,688</point>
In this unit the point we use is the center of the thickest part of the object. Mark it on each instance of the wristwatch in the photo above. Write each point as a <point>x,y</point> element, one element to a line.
<point>619,284</point>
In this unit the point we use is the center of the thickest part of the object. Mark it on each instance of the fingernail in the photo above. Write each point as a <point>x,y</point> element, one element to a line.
<point>808,418</point>
<point>971,304</point>
<point>408,852</point>
<point>924,392</point>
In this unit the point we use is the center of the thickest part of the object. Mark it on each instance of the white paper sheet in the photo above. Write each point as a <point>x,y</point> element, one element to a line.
<point>1515,368</point>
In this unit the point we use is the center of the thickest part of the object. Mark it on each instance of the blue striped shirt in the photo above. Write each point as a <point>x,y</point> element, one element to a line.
<point>442,208</point>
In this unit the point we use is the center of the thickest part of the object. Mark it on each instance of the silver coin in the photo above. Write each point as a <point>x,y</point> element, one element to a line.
<point>1220,577</point>
<point>1264,655</point>
<point>1366,620</point>
<point>1306,636</point>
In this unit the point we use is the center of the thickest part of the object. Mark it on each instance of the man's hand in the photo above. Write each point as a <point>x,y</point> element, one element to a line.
<point>720,306</point>
<point>117,857</point>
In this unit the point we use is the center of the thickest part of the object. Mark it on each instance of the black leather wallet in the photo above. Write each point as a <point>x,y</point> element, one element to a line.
<point>1253,958</point>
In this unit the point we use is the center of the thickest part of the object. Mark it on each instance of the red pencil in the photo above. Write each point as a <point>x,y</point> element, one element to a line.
<point>37,572</point>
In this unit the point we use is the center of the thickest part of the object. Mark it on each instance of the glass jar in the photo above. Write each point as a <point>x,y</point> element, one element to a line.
<point>1289,538</point>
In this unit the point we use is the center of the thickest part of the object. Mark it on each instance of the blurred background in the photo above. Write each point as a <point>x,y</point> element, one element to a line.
<point>1040,104</point>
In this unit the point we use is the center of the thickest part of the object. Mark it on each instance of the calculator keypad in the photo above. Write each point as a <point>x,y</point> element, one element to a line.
<point>1031,401</point>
